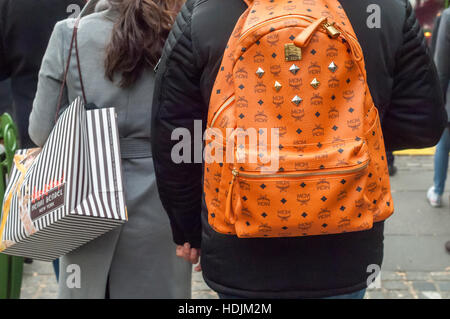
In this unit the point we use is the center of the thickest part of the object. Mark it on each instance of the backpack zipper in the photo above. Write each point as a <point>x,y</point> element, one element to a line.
<point>333,30</point>
<point>221,109</point>
<point>229,213</point>
<point>237,173</point>
<point>328,27</point>
<point>301,16</point>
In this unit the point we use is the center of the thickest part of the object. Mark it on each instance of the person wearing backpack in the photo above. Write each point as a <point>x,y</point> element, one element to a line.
<point>294,94</point>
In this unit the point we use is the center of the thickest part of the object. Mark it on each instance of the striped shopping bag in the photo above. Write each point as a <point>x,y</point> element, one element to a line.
<point>67,193</point>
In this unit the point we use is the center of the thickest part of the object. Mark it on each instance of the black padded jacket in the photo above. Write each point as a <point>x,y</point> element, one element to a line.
<point>403,81</point>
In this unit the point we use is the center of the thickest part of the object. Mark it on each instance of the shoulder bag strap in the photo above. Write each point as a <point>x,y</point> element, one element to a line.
<point>63,85</point>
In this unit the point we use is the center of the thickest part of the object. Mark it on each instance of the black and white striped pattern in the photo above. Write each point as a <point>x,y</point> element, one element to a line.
<point>83,152</point>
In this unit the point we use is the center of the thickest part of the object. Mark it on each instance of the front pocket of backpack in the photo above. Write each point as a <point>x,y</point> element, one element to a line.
<point>326,200</point>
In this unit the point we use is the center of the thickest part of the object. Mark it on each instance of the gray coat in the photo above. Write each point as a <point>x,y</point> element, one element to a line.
<point>139,257</point>
<point>442,55</point>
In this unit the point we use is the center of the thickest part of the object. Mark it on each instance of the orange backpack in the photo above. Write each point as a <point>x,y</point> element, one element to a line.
<point>294,68</point>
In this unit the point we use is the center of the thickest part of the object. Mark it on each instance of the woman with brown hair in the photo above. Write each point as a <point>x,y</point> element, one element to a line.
<point>119,44</point>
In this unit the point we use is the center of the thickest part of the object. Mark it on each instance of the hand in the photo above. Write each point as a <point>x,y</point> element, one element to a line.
<point>189,254</point>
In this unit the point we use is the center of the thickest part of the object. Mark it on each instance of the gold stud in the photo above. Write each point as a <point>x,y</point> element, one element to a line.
<point>277,86</point>
<point>315,83</point>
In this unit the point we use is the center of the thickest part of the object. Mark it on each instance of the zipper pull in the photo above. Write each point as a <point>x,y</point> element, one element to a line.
<point>353,42</point>
<point>302,40</point>
<point>229,213</point>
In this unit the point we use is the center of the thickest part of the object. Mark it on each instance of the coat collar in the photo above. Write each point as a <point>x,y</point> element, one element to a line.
<point>97,6</point>
<point>102,5</point>
<point>105,6</point>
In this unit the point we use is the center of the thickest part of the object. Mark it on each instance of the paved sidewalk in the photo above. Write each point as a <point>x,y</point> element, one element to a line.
<point>39,283</point>
<point>416,264</point>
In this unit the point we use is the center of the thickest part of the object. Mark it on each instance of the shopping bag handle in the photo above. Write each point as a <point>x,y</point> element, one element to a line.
<point>63,85</point>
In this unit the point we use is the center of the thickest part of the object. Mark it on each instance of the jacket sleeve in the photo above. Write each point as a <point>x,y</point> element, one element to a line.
<point>42,117</point>
<point>416,116</point>
<point>177,104</point>
<point>442,53</point>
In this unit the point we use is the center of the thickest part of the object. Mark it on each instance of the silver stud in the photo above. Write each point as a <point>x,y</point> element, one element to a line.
<point>294,69</point>
<point>315,83</point>
<point>332,67</point>
<point>260,72</point>
<point>277,86</point>
<point>297,100</point>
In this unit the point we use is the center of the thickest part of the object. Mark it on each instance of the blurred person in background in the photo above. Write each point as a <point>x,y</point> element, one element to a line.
<point>25,28</point>
<point>391,160</point>
<point>437,23</point>
<point>442,60</point>
<point>119,44</point>
<point>5,97</point>
<point>426,12</point>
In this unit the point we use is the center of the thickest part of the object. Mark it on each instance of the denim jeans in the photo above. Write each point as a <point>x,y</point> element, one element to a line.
<point>441,162</point>
<point>390,158</point>
<point>354,295</point>
<point>56,268</point>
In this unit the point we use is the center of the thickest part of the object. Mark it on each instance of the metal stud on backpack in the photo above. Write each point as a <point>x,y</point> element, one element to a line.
<point>300,70</point>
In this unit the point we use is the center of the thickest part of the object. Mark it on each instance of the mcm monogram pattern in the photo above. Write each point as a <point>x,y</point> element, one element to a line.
<point>332,175</point>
